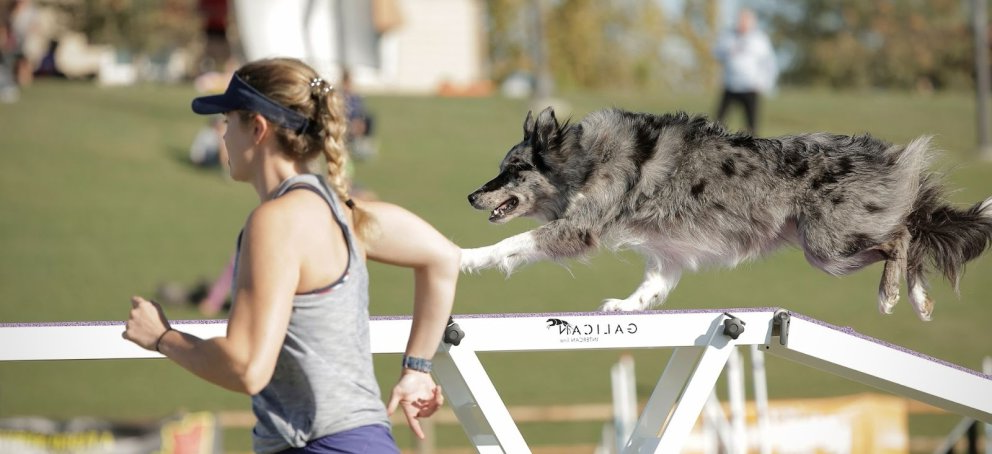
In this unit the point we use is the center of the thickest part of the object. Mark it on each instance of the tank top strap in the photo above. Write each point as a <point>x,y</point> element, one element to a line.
<point>318,185</point>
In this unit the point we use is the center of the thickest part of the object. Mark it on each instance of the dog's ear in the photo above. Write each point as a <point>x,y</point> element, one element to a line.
<point>546,126</point>
<point>528,126</point>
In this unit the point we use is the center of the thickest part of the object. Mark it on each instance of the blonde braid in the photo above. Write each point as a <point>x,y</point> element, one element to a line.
<point>332,123</point>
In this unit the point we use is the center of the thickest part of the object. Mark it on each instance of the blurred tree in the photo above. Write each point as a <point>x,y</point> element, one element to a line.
<point>596,44</point>
<point>696,26</point>
<point>590,43</point>
<point>140,26</point>
<point>508,37</point>
<point>922,44</point>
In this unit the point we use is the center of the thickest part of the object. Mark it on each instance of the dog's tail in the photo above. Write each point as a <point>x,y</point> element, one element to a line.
<point>943,236</point>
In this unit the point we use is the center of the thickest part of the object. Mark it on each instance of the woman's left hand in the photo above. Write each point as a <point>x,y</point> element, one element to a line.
<point>146,323</point>
<point>419,397</point>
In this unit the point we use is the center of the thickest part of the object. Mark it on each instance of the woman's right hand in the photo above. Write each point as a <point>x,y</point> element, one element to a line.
<point>146,323</point>
<point>418,396</point>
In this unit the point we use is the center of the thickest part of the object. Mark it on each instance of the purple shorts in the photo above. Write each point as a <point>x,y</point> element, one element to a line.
<point>370,439</point>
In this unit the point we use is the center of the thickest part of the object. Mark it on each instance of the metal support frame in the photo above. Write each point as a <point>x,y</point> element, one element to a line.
<point>702,340</point>
<point>680,395</point>
<point>476,403</point>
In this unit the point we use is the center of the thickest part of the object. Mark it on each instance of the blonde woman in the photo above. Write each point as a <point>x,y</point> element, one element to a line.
<point>297,338</point>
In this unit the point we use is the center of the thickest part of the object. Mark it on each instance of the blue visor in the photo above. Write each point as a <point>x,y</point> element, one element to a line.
<point>241,96</point>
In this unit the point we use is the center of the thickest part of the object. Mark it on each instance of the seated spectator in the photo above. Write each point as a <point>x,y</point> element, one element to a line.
<point>207,149</point>
<point>360,122</point>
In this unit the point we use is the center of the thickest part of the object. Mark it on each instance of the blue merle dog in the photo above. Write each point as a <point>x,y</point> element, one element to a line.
<point>686,193</point>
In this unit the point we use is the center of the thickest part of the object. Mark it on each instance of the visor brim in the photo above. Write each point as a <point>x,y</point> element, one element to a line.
<point>216,104</point>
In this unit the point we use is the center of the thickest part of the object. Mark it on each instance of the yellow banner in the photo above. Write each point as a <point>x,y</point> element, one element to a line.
<point>857,424</point>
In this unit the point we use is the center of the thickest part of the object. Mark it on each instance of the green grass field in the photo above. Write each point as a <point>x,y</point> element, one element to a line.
<point>98,204</point>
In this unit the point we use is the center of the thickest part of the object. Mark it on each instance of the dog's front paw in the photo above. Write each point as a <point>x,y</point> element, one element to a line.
<point>474,260</point>
<point>618,305</point>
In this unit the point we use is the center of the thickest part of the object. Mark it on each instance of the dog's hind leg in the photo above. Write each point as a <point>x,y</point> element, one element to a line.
<point>658,282</point>
<point>895,265</point>
<point>918,292</point>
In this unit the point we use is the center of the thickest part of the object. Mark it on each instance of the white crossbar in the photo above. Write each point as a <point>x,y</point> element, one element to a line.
<point>702,348</point>
<point>891,368</point>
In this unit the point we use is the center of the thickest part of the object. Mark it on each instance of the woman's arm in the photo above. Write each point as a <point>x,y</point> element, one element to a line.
<point>244,359</point>
<point>409,241</point>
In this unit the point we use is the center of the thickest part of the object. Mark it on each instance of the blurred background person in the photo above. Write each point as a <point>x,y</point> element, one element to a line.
<point>207,149</point>
<point>749,68</point>
<point>360,121</point>
<point>26,42</point>
<point>210,297</point>
<point>8,86</point>
<point>217,53</point>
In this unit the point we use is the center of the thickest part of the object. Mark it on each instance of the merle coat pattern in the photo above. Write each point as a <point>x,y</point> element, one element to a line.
<point>686,193</point>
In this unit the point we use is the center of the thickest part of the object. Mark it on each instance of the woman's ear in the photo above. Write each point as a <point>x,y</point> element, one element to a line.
<point>259,128</point>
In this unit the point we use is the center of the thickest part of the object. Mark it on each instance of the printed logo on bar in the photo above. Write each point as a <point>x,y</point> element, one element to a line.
<point>588,332</point>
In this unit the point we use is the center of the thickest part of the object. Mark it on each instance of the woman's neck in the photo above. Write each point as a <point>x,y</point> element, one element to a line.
<point>275,169</point>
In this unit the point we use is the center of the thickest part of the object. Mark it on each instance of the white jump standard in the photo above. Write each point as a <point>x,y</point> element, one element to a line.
<point>702,339</point>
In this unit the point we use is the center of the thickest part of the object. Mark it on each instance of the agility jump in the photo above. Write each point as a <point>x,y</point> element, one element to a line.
<point>702,340</point>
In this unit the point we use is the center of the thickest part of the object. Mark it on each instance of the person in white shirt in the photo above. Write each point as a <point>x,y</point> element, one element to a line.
<point>749,68</point>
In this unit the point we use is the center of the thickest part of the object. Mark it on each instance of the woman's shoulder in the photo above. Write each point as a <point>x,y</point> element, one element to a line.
<point>290,213</point>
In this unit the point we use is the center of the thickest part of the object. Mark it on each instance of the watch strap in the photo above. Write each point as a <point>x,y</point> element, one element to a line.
<point>417,364</point>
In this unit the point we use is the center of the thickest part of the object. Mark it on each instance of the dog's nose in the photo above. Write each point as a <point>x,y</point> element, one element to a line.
<point>472,197</point>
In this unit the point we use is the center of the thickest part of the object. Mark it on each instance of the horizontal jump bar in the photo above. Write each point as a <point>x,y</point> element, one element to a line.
<point>484,332</point>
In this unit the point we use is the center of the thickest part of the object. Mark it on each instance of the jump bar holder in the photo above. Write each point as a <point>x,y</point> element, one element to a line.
<point>733,326</point>
<point>780,326</point>
<point>453,333</point>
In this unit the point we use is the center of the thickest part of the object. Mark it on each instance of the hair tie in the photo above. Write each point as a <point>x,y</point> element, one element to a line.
<point>350,203</point>
<point>158,343</point>
<point>317,82</point>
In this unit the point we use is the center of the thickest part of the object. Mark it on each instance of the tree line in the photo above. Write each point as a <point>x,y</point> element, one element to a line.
<point>641,44</point>
<point>887,44</point>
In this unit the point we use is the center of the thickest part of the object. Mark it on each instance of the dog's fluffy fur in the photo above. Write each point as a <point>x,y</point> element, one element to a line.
<point>686,193</point>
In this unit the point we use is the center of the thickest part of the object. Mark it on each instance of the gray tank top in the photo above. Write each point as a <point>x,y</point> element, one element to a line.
<point>323,381</point>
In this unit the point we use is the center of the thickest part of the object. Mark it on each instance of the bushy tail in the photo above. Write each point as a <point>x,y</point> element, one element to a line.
<point>946,237</point>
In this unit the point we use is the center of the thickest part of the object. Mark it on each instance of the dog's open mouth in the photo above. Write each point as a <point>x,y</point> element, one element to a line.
<point>504,209</point>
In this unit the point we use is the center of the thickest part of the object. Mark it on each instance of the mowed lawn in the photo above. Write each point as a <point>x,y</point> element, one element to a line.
<point>97,203</point>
